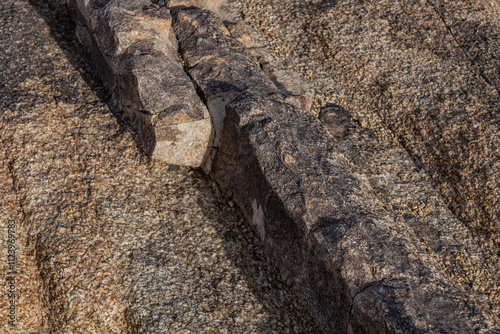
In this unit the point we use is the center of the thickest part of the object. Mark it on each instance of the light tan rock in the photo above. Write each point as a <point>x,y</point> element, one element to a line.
<point>107,240</point>
<point>135,53</point>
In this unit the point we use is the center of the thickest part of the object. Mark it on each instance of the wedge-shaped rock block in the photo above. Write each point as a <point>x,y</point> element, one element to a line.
<point>135,50</point>
<point>358,267</point>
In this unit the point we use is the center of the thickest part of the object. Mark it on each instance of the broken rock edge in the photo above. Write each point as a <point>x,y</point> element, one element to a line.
<point>321,262</point>
<point>142,121</point>
<point>309,243</point>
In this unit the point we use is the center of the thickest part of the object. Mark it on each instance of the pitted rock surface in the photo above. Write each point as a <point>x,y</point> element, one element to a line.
<point>374,228</point>
<point>109,241</point>
<point>135,53</point>
<point>419,77</point>
<point>422,73</point>
<point>357,264</point>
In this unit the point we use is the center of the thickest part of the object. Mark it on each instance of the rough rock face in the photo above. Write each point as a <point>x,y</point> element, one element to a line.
<point>285,79</point>
<point>108,240</point>
<point>356,227</point>
<point>135,53</point>
<point>408,192</point>
<point>356,264</point>
<point>426,71</point>
<point>217,6</point>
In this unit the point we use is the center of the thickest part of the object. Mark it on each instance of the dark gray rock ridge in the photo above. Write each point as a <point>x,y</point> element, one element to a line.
<point>424,71</point>
<point>135,54</point>
<point>357,266</point>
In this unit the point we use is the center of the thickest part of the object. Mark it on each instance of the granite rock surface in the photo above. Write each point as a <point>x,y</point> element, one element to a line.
<point>420,73</point>
<point>357,265</point>
<point>108,240</point>
<point>135,54</point>
<point>380,228</point>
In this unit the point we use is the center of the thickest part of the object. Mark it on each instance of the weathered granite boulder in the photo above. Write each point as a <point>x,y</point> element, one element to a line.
<point>357,266</point>
<point>426,71</point>
<point>135,53</point>
<point>285,79</point>
<point>340,212</point>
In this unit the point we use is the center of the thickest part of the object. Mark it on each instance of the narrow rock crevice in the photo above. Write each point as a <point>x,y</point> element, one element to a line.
<point>464,51</point>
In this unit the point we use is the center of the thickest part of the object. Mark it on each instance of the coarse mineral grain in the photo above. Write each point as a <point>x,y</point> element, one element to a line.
<point>108,240</point>
<point>135,53</point>
<point>355,263</point>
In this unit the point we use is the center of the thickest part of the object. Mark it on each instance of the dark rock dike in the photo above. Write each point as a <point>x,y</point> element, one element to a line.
<point>358,220</point>
<point>357,266</point>
<point>429,70</point>
<point>421,78</point>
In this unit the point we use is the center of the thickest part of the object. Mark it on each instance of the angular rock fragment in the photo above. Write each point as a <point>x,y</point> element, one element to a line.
<point>357,266</point>
<point>284,78</point>
<point>135,52</point>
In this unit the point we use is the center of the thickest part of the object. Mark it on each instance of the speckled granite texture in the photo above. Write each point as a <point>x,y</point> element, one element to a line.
<point>409,90</point>
<point>107,240</point>
<point>357,263</point>
<point>381,215</point>
<point>422,73</point>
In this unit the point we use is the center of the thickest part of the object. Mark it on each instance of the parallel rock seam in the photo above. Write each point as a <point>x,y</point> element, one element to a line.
<point>357,269</point>
<point>135,53</point>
